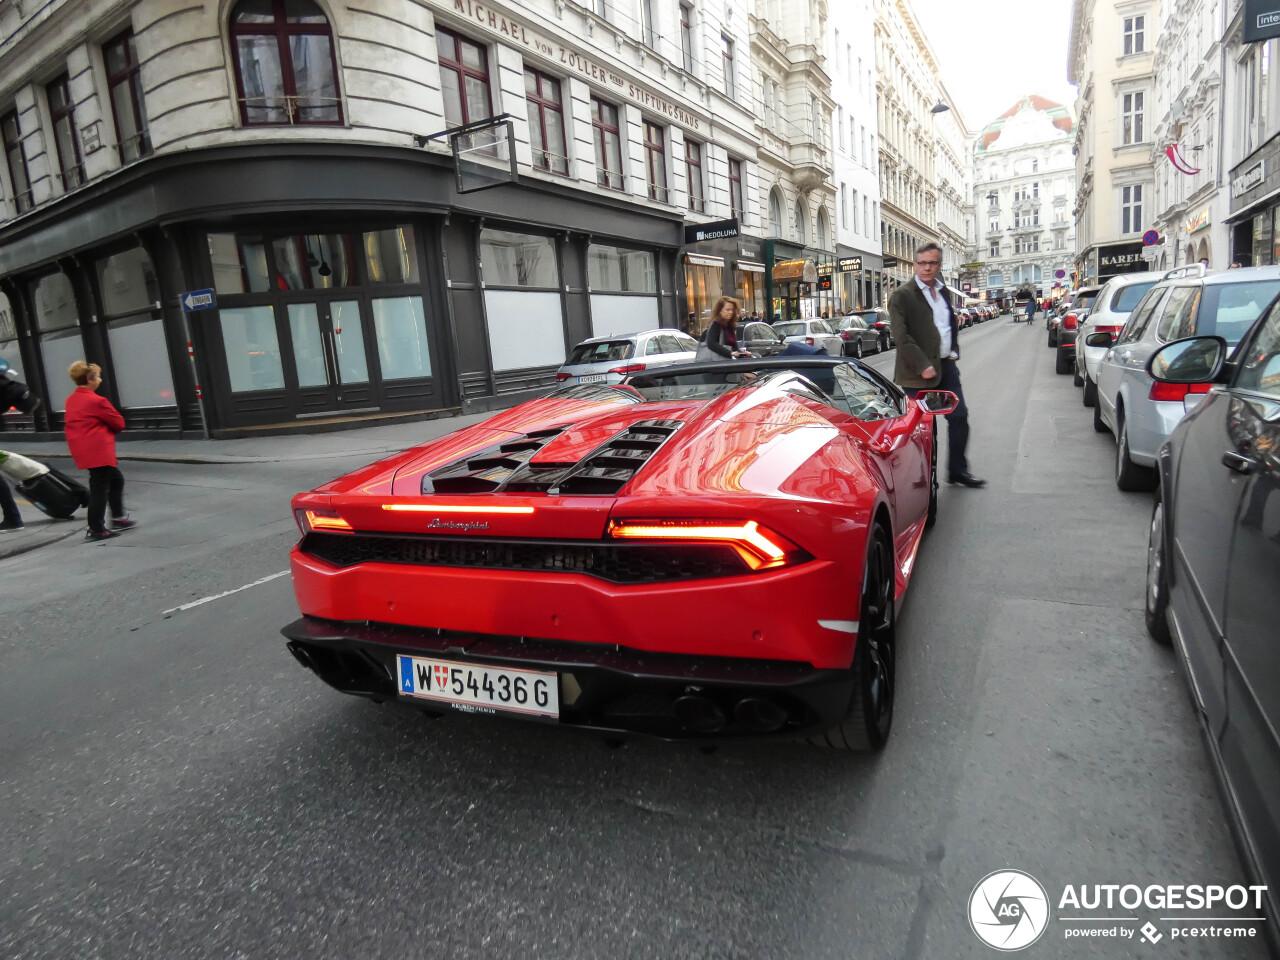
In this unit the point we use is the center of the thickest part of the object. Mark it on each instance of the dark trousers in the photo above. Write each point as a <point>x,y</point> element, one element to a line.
<point>7,506</point>
<point>106,486</point>
<point>957,420</point>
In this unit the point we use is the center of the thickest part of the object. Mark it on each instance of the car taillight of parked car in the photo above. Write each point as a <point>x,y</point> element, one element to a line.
<point>562,377</point>
<point>844,334</point>
<point>1104,328</point>
<point>1069,322</point>
<point>629,368</point>
<point>809,341</point>
<point>1175,392</point>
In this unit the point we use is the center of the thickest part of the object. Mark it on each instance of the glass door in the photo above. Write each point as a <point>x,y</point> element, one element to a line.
<point>329,356</point>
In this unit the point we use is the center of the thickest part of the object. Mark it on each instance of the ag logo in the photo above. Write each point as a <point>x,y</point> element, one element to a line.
<point>1008,910</point>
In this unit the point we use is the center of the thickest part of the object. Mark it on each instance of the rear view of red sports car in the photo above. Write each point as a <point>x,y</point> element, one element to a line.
<point>708,551</point>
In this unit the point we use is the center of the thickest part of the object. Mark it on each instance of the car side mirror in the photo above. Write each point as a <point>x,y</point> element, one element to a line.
<point>1103,339</point>
<point>1194,360</point>
<point>937,402</point>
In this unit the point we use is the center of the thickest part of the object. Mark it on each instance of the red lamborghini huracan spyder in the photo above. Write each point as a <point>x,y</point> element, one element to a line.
<point>706,551</point>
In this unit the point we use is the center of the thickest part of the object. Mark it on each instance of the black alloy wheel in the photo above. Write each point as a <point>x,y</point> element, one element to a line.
<point>867,724</point>
<point>857,349</point>
<point>1156,606</point>
<point>932,516</point>
<point>884,342</point>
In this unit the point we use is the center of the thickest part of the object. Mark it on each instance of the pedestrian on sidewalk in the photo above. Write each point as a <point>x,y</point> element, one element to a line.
<point>927,333</point>
<point>92,423</point>
<point>12,519</point>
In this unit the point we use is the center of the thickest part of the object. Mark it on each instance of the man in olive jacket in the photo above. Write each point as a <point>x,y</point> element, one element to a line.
<point>925,329</point>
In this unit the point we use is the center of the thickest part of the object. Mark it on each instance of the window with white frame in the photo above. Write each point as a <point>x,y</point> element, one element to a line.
<point>730,82</point>
<point>1135,29</point>
<point>993,250</point>
<point>686,36</point>
<point>857,228</point>
<point>844,205</point>
<point>1132,111</point>
<point>1131,209</point>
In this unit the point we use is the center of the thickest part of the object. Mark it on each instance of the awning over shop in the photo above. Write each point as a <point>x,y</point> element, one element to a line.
<point>702,260</point>
<point>803,270</point>
<point>749,266</point>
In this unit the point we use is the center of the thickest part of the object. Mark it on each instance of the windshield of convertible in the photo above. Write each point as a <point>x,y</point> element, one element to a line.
<point>842,386</point>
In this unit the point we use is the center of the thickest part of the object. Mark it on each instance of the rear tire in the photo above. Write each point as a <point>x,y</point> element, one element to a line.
<point>1156,607</point>
<point>867,724</point>
<point>1099,424</point>
<point>1062,363</point>
<point>1130,477</point>
<point>1076,379</point>
<point>932,516</point>
<point>1053,341</point>
<point>857,349</point>
<point>1090,397</point>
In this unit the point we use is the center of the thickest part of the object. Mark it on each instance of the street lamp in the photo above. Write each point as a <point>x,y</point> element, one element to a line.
<point>940,107</point>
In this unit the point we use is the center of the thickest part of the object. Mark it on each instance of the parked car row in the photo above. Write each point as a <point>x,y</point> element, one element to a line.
<point>1183,370</point>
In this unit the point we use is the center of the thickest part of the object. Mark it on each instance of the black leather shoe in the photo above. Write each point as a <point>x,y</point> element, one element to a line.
<point>966,480</point>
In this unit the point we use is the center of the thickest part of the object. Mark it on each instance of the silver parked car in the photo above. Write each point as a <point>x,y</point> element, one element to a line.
<point>815,333</point>
<point>1111,309</point>
<point>613,359</point>
<point>1189,302</point>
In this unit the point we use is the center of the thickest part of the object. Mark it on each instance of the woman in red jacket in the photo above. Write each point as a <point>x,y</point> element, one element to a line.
<point>91,426</point>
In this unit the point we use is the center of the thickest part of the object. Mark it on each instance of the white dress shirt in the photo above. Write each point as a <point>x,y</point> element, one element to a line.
<point>941,314</point>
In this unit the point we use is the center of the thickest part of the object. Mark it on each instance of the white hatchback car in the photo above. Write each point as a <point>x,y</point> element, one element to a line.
<point>814,333</point>
<point>1110,312</point>
<point>611,360</point>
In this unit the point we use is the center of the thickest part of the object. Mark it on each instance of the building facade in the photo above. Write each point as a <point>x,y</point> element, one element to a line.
<point>285,157</point>
<point>797,158</point>
<point>1191,205</point>
<point>953,151</point>
<point>1111,61</point>
<point>851,61</point>
<point>1024,195</point>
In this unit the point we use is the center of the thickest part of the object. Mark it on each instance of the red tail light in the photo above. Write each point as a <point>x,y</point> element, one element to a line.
<point>759,547</point>
<point>328,520</point>
<point>809,341</point>
<point>1069,322</point>
<point>1175,392</point>
<point>562,377</point>
<point>844,334</point>
<point>629,368</point>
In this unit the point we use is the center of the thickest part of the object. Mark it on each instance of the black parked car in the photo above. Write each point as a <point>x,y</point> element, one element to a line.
<point>760,338</point>
<point>859,336</point>
<point>1213,569</point>
<point>877,318</point>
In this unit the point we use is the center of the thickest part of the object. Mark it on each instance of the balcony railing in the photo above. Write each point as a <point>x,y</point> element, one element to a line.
<point>290,110</point>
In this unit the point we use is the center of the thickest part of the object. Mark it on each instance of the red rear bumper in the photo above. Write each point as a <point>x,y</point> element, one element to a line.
<point>776,616</point>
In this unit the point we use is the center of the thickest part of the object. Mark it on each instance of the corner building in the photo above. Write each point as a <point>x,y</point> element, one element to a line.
<point>270,151</point>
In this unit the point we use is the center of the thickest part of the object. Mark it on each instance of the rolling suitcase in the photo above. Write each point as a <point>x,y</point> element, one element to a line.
<point>56,494</point>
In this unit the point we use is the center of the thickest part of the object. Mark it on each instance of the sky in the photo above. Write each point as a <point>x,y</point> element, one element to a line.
<point>993,52</point>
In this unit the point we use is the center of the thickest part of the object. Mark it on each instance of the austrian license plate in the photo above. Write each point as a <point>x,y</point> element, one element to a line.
<point>476,688</point>
<point>593,378</point>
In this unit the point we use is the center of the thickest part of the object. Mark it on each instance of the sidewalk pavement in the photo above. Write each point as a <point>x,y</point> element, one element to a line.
<point>374,442</point>
<point>371,442</point>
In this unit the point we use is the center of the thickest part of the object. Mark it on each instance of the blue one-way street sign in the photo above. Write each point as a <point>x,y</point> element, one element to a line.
<point>198,300</point>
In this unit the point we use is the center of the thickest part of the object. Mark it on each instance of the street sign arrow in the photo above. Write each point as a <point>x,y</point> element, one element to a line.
<point>197,300</point>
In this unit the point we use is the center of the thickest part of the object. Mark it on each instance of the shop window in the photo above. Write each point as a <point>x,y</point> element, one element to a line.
<point>391,256</point>
<point>307,338</point>
<point>9,351</point>
<point>314,261</point>
<point>703,286</point>
<point>655,161</point>
<point>518,260</point>
<point>11,136</point>
<point>693,169</point>
<point>239,264</point>
<point>58,322</point>
<point>604,123</point>
<point>401,328</point>
<point>464,78</point>
<point>130,297</point>
<point>546,122</point>
<point>252,348</point>
<point>120,55</point>
<point>617,270</point>
<point>750,290</point>
<point>65,132</point>
<point>285,68</point>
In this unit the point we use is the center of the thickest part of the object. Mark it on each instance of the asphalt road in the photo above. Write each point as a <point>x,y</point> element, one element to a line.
<point>177,786</point>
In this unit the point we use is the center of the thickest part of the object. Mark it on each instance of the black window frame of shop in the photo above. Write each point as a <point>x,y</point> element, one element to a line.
<point>282,28</point>
<point>13,149</point>
<point>122,47</point>
<point>539,105</point>
<point>62,117</point>
<point>655,159</point>
<point>600,132</point>
<point>693,154</point>
<point>290,402</point>
<point>98,337</point>
<point>455,63</point>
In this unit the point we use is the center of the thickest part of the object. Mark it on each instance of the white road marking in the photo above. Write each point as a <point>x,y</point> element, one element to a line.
<point>225,593</point>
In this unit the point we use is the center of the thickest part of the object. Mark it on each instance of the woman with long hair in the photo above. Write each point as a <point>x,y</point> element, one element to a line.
<point>722,333</point>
